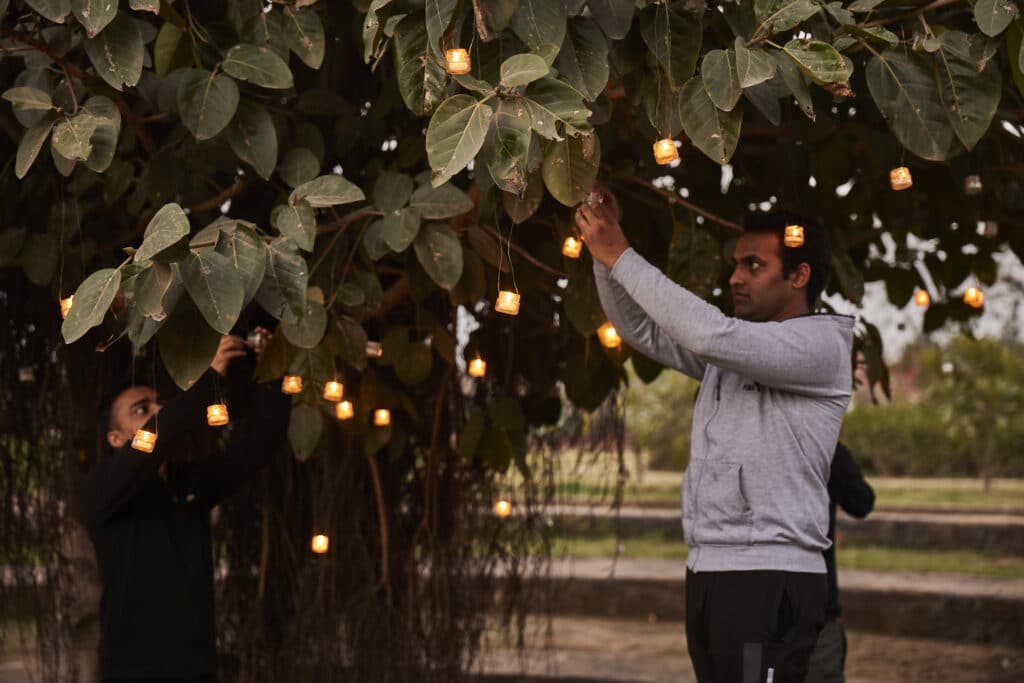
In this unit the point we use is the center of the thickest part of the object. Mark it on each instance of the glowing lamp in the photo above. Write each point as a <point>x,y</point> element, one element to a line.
<point>900,178</point>
<point>333,391</point>
<point>456,61</point>
<point>665,151</point>
<point>972,184</point>
<point>344,410</point>
<point>320,544</point>
<point>922,298</point>
<point>382,417</point>
<point>291,384</point>
<point>609,336</point>
<point>503,508</point>
<point>216,415</point>
<point>572,247</point>
<point>477,367</point>
<point>65,306</point>
<point>794,236</point>
<point>974,297</point>
<point>144,441</point>
<point>507,303</point>
<point>374,349</point>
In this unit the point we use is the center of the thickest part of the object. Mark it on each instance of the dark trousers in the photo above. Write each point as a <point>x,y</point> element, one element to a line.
<point>753,626</point>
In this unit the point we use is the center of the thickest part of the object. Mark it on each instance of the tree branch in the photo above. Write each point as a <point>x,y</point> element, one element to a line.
<point>911,14</point>
<point>675,199</point>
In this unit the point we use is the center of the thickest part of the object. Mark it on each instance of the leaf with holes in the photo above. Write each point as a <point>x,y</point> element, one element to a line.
<point>94,15</point>
<point>71,137</point>
<point>819,60</point>
<point>507,146</point>
<point>117,53</point>
<point>777,16</point>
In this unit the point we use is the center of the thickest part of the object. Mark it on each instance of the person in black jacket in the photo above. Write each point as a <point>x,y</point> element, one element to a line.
<point>846,488</point>
<point>148,516</point>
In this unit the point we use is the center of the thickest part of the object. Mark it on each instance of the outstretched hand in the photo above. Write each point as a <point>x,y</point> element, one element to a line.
<point>598,222</point>
<point>230,347</point>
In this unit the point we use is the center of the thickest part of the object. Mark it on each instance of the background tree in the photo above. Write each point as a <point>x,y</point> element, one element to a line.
<point>210,164</point>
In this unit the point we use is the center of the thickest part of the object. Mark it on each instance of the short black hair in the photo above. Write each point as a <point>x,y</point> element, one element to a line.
<point>105,414</point>
<point>816,251</point>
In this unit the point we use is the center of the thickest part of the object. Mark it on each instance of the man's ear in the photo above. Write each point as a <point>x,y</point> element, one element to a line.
<point>800,276</point>
<point>116,439</point>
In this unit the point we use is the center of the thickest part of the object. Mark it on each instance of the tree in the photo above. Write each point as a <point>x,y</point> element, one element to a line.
<point>211,160</point>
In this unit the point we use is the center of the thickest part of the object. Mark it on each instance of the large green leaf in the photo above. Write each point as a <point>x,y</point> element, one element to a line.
<point>352,340</point>
<point>421,77</point>
<point>721,81</point>
<point>253,138</point>
<point>304,34</point>
<point>28,149</point>
<point>398,229</point>
<point>297,222</point>
<point>373,25</point>
<point>117,53</point>
<point>440,253</point>
<point>522,69</point>
<point>28,99</point>
<point>305,426</point>
<point>969,88</point>
<point>904,89</point>
<point>795,82</point>
<point>551,102</point>
<point>327,190</point>
<point>661,103</point>
<point>169,51</point>
<point>583,59</point>
<point>92,299</point>
<point>244,248</point>
<point>507,146</point>
<point>54,10</point>
<point>299,166</point>
<point>167,228</point>
<point>993,16</point>
<point>712,131</point>
<point>187,344</point>
<point>570,167</point>
<point>818,60</point>
<point>455,135</point>
<point>673,34</point>
<point>71,137</point>
<point>413,366</point>
<point>445,201</point>
<point>94,15</point>
<point>613,16</point>
<point>212,282</point>
<point>392,190</point>
<point>439,15</point>
<point>753,66</point>
<point>259,65</point>
<point>207,102</point>
<point>283,291</point>
<point>777,16</point>
<point>151,287</point>
<point>307,331</point>
<point>108,130</point>
<point>540,23</point>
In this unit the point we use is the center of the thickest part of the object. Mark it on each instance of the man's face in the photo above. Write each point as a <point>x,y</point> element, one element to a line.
<point>131,409</point>
<point>759,292</point>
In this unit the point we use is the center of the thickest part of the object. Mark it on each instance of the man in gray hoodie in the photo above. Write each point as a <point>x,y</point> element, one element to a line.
<point>775,383</point>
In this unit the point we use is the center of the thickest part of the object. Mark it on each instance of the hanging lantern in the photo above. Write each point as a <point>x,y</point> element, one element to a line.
<point>333,391</point>
<point>922,298</point>
<point>794,236</point>
<point>382,417</point>
<point>216,415</point>
<point>144,441</point>
<point>374,349</point>
<point>572,247</point>
<point>665,151</point>
<point>503,508</point>
<point>65,306</point>
<point>457,61</point>
<point>900,178</point>
<point>477,367</point>
<point>320,544</point>
<point>974,297</point>
<point>609,336</point>
<point>256,340</point>
<point>291,384</point>
<point>972,184</point>
<point>507,303</point>
<point>344,410</point>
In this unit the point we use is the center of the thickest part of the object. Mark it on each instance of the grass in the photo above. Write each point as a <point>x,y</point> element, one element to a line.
<point>875,558</point>
<point>661,489</point>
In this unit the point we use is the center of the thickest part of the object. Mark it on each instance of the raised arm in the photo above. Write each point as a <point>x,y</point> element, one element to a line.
<point>638,329</point>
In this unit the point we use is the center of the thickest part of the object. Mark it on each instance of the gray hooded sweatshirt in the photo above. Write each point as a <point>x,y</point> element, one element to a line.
<point>766,421</point>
